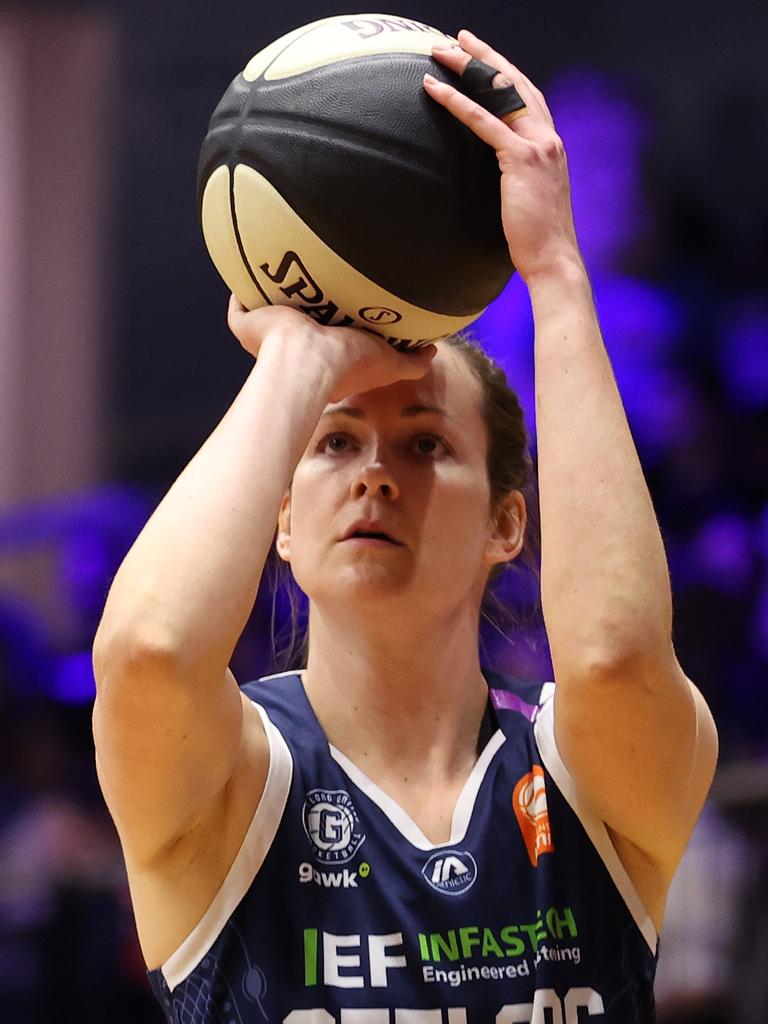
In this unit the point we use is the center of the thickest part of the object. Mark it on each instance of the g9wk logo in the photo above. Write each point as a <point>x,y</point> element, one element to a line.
<point>332,826</point>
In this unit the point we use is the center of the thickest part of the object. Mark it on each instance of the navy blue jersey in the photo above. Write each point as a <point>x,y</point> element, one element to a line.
<point>338,910</point>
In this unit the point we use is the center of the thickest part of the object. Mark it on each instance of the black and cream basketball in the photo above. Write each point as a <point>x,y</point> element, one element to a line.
<point>329,180</point>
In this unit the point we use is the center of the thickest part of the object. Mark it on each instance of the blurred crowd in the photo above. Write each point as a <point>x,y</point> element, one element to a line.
<point>690,354</point>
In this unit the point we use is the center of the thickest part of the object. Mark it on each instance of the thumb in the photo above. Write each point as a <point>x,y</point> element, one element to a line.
<point>418,360</point>
<point>235,312</point>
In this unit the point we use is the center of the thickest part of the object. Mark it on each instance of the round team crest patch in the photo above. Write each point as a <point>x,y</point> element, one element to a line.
<point>451,871</point>
<point>332,826</point>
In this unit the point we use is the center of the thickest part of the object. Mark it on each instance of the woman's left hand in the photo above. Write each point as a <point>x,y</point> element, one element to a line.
<point>535,193</point>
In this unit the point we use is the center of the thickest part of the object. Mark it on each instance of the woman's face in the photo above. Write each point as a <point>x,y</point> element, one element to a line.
<point>409,461</point>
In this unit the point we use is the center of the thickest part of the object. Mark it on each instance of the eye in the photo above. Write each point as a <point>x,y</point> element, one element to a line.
<point>430,444</point>
<point>335,444</point>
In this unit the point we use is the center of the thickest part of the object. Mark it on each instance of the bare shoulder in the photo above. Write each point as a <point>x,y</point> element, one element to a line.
<point>170,896</point>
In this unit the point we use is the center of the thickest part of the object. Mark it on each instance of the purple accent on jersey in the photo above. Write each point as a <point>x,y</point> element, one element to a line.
<point>504,700</point>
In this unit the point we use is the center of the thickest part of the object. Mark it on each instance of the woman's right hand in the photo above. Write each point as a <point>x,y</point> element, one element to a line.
<point>358,360</point>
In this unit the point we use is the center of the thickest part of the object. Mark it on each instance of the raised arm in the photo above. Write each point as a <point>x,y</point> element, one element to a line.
<point>168,718</point>
<point>633,731</point>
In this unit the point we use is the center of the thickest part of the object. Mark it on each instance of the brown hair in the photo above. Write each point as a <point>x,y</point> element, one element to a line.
<point>509,467</point>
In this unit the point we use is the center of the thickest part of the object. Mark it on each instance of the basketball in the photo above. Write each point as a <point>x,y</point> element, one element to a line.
<point>330,181</point>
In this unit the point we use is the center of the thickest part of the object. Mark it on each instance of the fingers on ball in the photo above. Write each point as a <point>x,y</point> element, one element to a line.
<point>483,51</point>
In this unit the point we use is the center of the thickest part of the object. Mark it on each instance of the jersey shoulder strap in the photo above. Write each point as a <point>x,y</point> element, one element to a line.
<point>524,696</point>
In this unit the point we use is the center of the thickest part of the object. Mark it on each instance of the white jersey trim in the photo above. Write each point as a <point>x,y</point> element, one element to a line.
<point>250,857</point>
<point>544,731</point>
<point>402,821</point>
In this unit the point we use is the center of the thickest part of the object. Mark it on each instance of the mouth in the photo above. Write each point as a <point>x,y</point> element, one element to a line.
<point>372,537</point>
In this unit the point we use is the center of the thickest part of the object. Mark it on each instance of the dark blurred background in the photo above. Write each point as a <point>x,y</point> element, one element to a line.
<point>115,363</point>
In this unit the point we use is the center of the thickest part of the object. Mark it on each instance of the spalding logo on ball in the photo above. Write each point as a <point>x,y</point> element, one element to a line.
<point>330,181</point>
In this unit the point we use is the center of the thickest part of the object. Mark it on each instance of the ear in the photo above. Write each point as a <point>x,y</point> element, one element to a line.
<point>506,541</point>
<point>283,539</point>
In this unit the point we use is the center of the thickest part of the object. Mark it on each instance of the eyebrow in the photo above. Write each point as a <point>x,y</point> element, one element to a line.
<point>409,411</point>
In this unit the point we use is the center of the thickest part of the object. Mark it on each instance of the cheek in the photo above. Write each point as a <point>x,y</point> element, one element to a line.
<point>315,497</point>
<point>458,517</point>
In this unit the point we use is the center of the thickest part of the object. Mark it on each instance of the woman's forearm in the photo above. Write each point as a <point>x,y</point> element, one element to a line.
<point>604,577</point>
<point>188,584</point>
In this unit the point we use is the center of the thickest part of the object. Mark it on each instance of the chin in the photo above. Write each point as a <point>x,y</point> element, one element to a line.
<point>360,583</point>
<point>373,580</point>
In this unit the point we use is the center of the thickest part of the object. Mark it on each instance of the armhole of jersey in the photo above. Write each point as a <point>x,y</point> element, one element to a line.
<point>250,857</point>
<point>544,731</point>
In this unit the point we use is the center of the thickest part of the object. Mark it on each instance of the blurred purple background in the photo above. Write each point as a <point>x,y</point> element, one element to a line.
<point>115,363</point>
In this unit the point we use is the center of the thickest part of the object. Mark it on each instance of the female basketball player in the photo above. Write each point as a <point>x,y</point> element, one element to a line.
<point>395,835</point>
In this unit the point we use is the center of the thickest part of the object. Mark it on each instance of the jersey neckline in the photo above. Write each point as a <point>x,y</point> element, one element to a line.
<point>401,820</point>
<point>391,809</point>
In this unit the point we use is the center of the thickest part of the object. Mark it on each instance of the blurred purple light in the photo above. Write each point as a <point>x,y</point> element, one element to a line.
<point>743,352</point>
<point>605,135</point>
<point>722,552</point>
<point>74,682</point>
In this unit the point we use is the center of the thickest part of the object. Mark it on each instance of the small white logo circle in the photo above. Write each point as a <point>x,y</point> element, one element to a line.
<point>451,871</point>
<point>332,825</point>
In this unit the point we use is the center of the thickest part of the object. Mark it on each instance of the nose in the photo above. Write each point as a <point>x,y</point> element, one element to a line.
<point>374,478</point>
